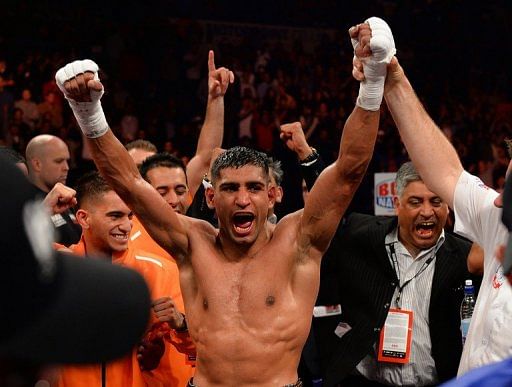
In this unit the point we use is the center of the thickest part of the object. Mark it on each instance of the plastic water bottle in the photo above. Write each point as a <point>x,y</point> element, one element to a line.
<point>466,309</point>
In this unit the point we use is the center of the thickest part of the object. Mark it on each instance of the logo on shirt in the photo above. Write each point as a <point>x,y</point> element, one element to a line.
<point>58,220</point>
<point>481,184</point>
<point>498,279</point>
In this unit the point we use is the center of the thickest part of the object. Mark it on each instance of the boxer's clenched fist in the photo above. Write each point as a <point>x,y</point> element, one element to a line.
<point>374,47</point>
<point>80,83</point>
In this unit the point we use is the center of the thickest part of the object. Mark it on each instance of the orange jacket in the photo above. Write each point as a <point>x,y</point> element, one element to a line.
<point>162,278</point>
<point>140,239</point>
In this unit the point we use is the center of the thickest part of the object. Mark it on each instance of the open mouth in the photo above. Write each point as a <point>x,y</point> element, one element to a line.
<point>425,229</point>
<point>242,223</point>
<point>120,237</point>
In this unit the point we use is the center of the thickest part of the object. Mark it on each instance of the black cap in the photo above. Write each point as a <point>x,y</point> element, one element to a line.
<point>58,308</point>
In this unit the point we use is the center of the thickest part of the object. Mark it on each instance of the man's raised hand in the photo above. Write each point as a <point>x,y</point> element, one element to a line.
<point>293,137</point>
<point>80,83</point>
<point>76,80</point>
<point>360,36</point>
<point>374,47</point>
<point>218,79</point>
<point>60,198</point>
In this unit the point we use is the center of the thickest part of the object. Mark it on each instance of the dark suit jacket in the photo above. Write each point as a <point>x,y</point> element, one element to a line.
<point>357,274</point>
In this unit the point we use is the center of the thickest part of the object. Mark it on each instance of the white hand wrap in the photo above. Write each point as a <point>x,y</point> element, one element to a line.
<point>89,115</point>
<point>382,44</point>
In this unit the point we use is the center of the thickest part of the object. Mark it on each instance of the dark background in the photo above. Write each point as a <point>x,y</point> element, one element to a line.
<point>456,53</point>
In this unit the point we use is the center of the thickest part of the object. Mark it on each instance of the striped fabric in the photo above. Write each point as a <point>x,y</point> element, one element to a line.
<point>415,296</point>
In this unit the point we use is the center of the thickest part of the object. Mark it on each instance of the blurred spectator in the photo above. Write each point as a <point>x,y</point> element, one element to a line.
<point>73,141</point>
<point>140,150</point>
<point>246,78</point>
<point>6,96</point>
<point>29,108</point>
<point>264,84</point>
<point>245,117</point>
<point>51,110</point>
<point>308,121</point>
<point>18,119</point>
<point>264,130</point>
<point>15,139</point>
<point>129,123</point>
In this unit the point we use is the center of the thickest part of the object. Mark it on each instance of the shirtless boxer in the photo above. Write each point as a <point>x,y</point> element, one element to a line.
<point>249,291</point>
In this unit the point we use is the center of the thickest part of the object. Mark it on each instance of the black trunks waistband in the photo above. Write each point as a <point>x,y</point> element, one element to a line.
<point>298,383</point>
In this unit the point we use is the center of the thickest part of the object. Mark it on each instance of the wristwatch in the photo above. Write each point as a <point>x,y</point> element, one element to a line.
<point>311,158</point>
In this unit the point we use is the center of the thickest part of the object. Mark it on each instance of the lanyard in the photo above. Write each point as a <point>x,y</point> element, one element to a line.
<point>396,267</point>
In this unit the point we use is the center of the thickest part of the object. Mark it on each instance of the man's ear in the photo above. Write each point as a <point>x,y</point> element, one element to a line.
<point>279,194</point>
<point>36,164</point>
<point>82,218</point>
<point>209,195</point>
<point>396,204</point>
<point>271,196</point>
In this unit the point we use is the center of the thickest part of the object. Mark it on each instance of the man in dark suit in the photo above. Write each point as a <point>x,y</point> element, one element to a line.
<point>380,268</point>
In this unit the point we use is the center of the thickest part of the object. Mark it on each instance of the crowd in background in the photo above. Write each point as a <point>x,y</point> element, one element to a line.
<point>153,62</point>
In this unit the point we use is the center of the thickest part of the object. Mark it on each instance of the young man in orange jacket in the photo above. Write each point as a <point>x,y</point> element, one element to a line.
<point>106,225</point>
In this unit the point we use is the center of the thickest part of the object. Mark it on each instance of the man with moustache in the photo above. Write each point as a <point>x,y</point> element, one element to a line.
<point>377,267</point>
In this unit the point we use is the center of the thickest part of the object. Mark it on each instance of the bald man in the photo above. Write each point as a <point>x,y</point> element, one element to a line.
<point>47,161</point>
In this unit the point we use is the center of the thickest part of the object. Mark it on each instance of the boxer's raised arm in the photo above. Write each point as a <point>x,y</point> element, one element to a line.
<point>80,84</point>
<point>336,185</point>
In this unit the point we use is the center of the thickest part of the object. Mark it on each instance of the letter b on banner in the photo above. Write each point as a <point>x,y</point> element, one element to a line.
<point>385,191</point>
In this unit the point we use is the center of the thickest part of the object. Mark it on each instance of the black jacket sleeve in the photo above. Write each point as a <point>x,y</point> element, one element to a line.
<point>311,171</point>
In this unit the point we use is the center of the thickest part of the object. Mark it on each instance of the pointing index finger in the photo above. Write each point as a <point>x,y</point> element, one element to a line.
<point>211,61</point>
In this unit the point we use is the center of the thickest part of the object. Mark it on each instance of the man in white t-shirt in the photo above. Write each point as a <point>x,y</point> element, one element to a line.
<point>479,218</point>
<point>500,373</point>
<point>477,213</point>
